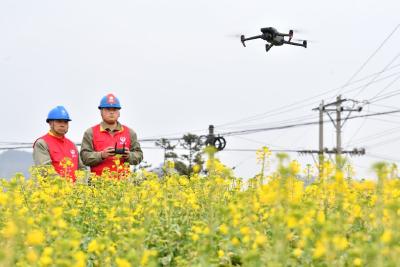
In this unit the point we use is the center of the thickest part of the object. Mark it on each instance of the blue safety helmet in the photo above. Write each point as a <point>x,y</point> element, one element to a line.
<point>109,101</point>
<point>58,113</point>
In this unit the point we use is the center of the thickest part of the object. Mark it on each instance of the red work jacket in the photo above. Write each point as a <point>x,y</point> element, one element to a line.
<point>63,154</point>
<point>103,139</point>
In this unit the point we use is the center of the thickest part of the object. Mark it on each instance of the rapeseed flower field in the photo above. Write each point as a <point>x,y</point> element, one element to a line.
<point>207,219</point>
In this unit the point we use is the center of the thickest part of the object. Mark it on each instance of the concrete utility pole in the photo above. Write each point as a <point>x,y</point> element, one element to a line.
<point>338,123</point>
<point>321,139</point>
<point>338,128</point>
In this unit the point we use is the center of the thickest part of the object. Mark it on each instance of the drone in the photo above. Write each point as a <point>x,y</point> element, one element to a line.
<point>273,37</point>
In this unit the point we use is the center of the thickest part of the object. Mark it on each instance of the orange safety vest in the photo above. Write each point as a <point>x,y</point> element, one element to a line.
<point>103,139</point>
<point>61,151</point>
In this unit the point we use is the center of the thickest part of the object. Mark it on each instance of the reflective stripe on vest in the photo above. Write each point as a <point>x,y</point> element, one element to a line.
<point>62,151</point>
<point>104,139</point>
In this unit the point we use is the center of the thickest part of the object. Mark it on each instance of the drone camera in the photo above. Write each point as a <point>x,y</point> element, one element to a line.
<point>119,151</point>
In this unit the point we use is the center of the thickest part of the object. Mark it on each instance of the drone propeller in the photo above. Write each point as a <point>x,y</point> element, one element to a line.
<point>302,40</point>
<point>233,35</point>
<point>297,30</point>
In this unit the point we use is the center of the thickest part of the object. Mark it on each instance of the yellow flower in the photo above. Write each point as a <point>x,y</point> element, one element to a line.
<point>47,251</point>
<point>206,230</point>
<point>235,241</point>
<point>80,258</point>
<point>57,212</point>
<point>195,237</point>
<point>93,246</point>
<point>386,236</point>
<point>3,199</point>
<point>357,262</point>
<point>321,217</point>
<point>31,256</point>
<point>223,229</point>
<point>245,230</point>
<point>36,237</point>
<point>196,168</point>
<point>339,176</point>
<point>221,253</point>
<point>62,224</point>
<point>340,242</point>
<point>45,260</point>
<point>319,250</point>
<point>295,167</point>
<point>260,240</point>
<point>122,263</point>
<point>356,211</point>
<point>146,255</point>
<point>297,252</point>
<point>291,222</point>
<point>9,230</point>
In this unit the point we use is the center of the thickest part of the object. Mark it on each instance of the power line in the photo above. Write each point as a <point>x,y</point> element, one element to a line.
<point>232,133</point>
<point>303,103</point>
<point>250,131</point>
<point>374,136</point>
<point>270,124</point>
<point>381,157</point>
<point>386,96</point>
<point>370,57</point>
<point>396,139</point>
<point>390,63</point>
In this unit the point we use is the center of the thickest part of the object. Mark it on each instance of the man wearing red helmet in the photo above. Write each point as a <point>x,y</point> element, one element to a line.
<point>55,149</point>
<point>102,142</point>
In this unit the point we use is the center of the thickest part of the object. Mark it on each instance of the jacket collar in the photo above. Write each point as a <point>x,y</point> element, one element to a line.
<point>104,127</point>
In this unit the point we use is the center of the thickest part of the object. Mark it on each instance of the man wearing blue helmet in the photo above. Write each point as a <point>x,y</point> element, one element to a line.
<point>55,149</point>
<point>109,142</point>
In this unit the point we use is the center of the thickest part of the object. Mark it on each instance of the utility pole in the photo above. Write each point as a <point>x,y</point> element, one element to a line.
<point>321,139</point>
<point>338,128</point>
<point>338,123</point>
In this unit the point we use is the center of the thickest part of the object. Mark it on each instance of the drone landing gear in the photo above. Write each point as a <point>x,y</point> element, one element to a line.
<point>268,47</point>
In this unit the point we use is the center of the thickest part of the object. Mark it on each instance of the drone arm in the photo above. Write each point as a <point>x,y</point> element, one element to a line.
<point>304,44</point>
<point>243,39</point>
<point>252,38</point>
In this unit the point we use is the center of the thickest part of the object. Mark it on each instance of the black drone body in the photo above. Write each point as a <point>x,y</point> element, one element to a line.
<point>274,38</point>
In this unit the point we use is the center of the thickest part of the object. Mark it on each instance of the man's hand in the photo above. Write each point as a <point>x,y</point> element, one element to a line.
<point>108,152</point>
<point>126,154</point>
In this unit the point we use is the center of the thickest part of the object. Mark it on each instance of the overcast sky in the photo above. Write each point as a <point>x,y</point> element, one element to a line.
<point>178,66</point>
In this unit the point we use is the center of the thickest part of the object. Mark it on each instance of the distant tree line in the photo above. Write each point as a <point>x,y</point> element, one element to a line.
<point>185,161</point>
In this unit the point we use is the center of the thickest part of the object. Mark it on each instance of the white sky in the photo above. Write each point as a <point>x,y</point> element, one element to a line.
<point>178,66</point>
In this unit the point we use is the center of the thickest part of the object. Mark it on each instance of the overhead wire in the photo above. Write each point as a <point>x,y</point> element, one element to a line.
<point>396,139</point>
<point>373,80</point>
<point>303,103</point>
<point>375,136</point>
<point>250,131</point>
<point>370,57</point>
<point>380,157</point>
<point>274,123</point>
<point>386,96</point>
<point>358,129</point>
